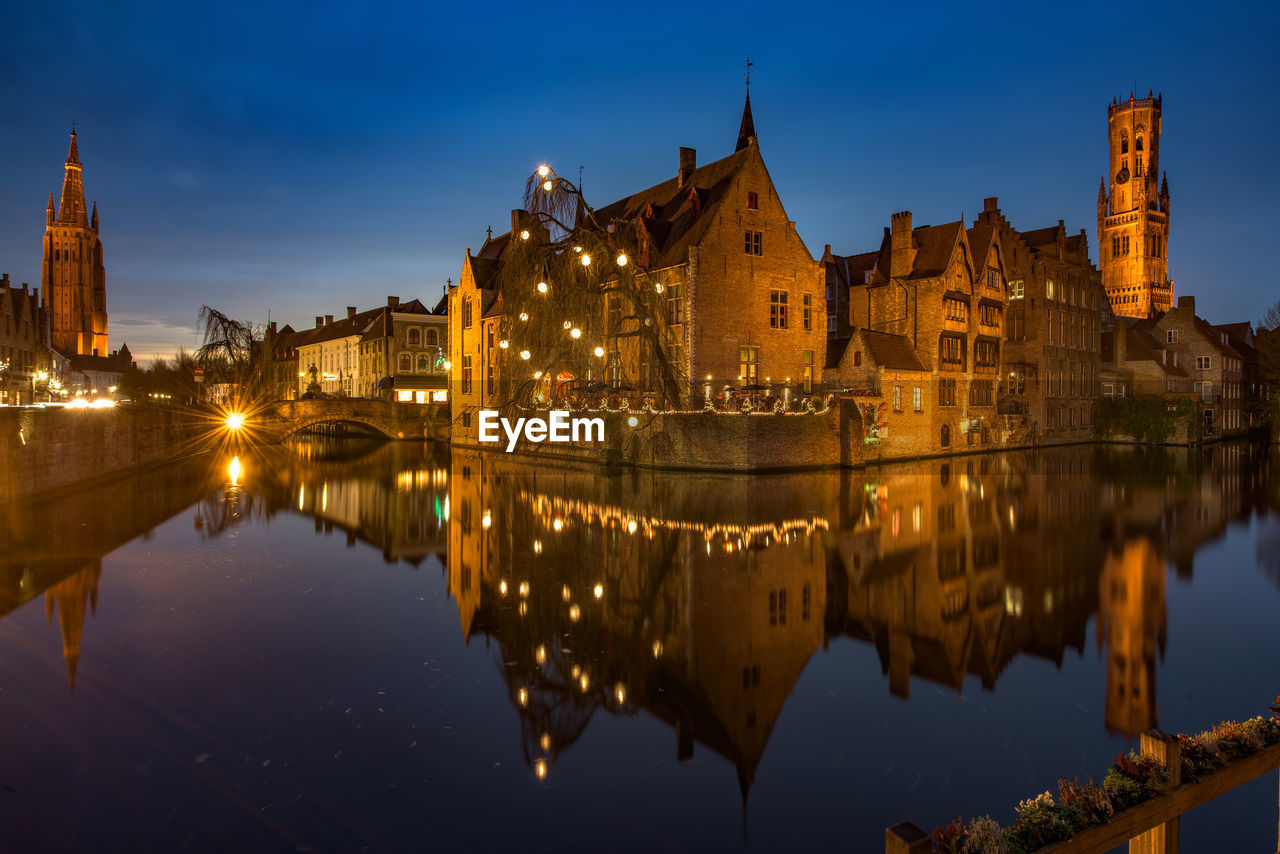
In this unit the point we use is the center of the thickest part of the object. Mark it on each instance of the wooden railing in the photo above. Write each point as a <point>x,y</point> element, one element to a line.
<point>1151,827</point>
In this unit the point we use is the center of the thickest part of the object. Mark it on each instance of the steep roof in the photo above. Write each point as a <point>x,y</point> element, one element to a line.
<point>343,328</point>
<point>981,237</point>
<point>1040,237</point>
<point>674,218</point>
<point>935,245</point>
<point>891,351</point>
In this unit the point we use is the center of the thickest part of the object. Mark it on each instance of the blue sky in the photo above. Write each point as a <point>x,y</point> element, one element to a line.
<point>299,158</point>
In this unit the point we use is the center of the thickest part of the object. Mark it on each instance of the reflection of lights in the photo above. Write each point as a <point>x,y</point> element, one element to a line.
<point>598,590</point>
<point>631,526</point>
<point>302,494</point>
<point>575,613</point>
<point>524,607</point>
<point>557,524</point>
<point>657,649</point>
<point>576,672</point>
<point>486,520</point>
<point>537,547</point>
<point>545,741</point>
<point>584,682</point>
<point>502,587</point>
<point>102,403</point>
<point>523,696</point>
<point>540,655</point>
<point>233,470</point>
<point>540,768</point>
<point>620,693</point>
<point>564,593</point>
<point>524,588</point>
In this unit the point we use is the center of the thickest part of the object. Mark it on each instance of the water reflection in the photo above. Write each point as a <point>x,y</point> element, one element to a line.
<point>701,599</point>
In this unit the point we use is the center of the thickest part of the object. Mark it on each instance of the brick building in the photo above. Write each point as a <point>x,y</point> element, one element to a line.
<point>74,281</point>
<point>25,368</point>
<point>941,288</point>
<point>1053,330</point>
<point>405,351</point>
<point>744,303</point>
<point>1215,368</point>
<point>1133,211</point>
<point>882,372</point>
<point>329,354</point>
<point>1135,364</point>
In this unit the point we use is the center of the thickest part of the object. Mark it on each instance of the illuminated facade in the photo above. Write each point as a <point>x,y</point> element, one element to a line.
<point>74,281</point>
<point>1133,211</point>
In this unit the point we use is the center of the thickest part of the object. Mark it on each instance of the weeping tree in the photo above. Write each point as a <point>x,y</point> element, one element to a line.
<point>578,296</point>
<point>232,349</point>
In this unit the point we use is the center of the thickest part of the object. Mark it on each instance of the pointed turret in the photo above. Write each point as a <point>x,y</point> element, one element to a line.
<point>48,213</point>
<point>747,130</point>
<point>72,209</point>
<point>1164,193</point>
<point>93,221</point>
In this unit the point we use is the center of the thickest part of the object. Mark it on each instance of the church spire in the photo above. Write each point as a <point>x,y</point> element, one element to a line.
<point>747,130</point>
<point>73,207</point>
<point>49,211</point>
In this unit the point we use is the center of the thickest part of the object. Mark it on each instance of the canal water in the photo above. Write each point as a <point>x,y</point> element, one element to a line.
<point>354,646</point>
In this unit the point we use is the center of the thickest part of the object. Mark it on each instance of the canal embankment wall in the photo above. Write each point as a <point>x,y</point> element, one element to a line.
<point>47,448</point>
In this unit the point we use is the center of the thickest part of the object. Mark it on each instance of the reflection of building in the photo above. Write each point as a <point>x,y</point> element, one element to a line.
<point>69,597</point>
<point>1131,625</point>
<point>74,281</point>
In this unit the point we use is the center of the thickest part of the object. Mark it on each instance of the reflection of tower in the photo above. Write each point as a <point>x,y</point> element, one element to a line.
<point>1131,622</point>
<point>70,597</point>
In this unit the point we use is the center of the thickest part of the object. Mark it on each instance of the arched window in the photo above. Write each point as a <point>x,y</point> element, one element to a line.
<point>433,337</point>
<point>1137,142</point>
<point>406,363</point>
<point>415,337</point>
<point>424,363</point>
<point>1124,142</point>
<point>946,436</point>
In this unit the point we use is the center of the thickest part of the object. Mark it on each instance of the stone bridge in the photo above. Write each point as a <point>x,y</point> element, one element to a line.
<point>277,421</point>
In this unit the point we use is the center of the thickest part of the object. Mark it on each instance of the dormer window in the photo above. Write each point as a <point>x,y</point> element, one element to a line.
<point>753,201</point>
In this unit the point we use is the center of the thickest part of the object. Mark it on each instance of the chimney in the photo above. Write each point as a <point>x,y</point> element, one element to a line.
<point>351,312</point>
<point>688,162</point>
<point>319,321</point>
<point>328,319</point>
<point>991,204</point>
<point>393,302</point>
<point>1187,302</point>
<point>4,280</point>
<point>271,327</point>
<point>902,256</point>
<point>1120,341</point>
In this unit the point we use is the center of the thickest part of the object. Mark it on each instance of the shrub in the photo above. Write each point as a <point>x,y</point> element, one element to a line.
<point>1091,799</point>
<point>984,836</point>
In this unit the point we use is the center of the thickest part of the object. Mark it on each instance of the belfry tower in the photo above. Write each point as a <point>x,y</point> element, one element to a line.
<point>1133,212</point>
<point>74,281</point>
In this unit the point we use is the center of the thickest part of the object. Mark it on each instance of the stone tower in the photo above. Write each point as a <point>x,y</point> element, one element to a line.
<point>74,281</point>
<point>1133,212</point>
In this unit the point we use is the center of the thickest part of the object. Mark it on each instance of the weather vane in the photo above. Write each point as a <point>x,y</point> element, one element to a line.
<point>747,73</point>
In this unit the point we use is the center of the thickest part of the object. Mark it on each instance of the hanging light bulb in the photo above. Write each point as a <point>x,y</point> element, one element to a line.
<point>525,354</point>
<point>658,287</point>
<point>537,375</point>
<point>599,351</point>
<point>568,324</point>
<point>524,316</point>
<point>542,287</point>
<point>577,249</point>
<point>575,332</point>
<point>524,235</point>
<point>547,185</point>
<point>586,260</point>
<point>504,343</point>
<point>544,170</point>
<point>622,259</point>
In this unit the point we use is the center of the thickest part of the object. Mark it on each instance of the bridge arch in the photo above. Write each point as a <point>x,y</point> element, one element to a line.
<point>393,420</point>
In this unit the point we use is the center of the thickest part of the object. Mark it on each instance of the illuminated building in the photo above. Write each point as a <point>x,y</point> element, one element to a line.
<point>74,281</point>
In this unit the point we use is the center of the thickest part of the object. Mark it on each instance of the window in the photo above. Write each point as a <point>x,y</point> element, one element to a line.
<point>981,393</point>
<point>748,363</point>
<point>897,398</point>
<point>489,379</point>
<point>986,353</point>
<point>1205,390</point>
<point>808,312</point>
<point>777,309</point>
<point>917,399</point>
<point>432,338</point>
<point>615,369</point>
<point>945,439</point>
<point>778,607</point>
<point>1202,363</point>
<point>1017,382</point>
<point>955,309</point>
<point>988,315</point>
<point>415,337</point>
<point>1124,143</point>
<point>1171,336</point>
<point>466,374</point>
<point>1137,143</point>
<point>806,372</point>
<point>675,305</point>
<point>751,242</point>
<point>993,280</point>
<point>946,392</point>
<point>1016,289</point>
<point>951,352</point>
<point>753,202</point>
<point>424,363</point>
<point>466,313</point>
<point>1048,288</point>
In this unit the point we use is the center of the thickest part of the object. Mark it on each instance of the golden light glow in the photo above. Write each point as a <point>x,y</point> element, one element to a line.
<point>523,696</point>
<point>504,343</point>
<point>598,590</point>
<point>622,260</point>
<point>524,235</point>
<point>547,185</point>
<point>524,588</point>
<point>584,682</point>
<point>545,741</point>
<point>657,649</point>
<point>502,587</point>
<point>557,525</point>
<point>575,614</point>
<point>565,594</point>
<point>525,354</point>
<point>542,287</point>
<point>544,170</point>
<point>235,421</point>
<point>599,351</point>
<point>541,655</point>
<point>234,470</point>
<point>586,260</point>
<point>487,520</point>
<point>537,547</point>
<point>620,693</point>
<point>537,375</point>
<point>632,421</point>
<point>540,768</point>
<point>658,287</point>
<point>575,333</point>
<point>524,316</point>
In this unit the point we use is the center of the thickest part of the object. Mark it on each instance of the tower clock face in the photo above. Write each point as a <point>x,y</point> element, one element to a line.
<point>1122,176</point>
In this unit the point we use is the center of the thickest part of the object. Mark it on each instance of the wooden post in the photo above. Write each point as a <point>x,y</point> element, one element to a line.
<point>906,838</point>
<point>1164,838</point>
